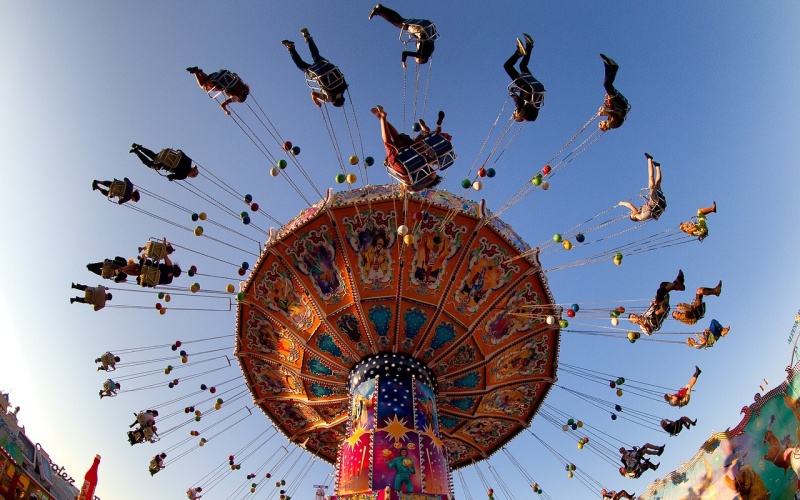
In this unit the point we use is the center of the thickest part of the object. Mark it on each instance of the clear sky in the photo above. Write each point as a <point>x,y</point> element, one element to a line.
<point>713,90</point>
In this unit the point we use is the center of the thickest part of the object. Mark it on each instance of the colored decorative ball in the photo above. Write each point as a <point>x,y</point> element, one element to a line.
<point>571,421</point>
<point>178,343</point>
<point>190,273</point>
<point>570,313</point>
<point>167,298</point>
<point>240,296</point>
<point>477,185</point>
<point>198,231</point>
<point>613,417</point>
<point>241,271</point>
<point>287,145</point>
<point>402,230</point>
<point>536,181</point>
<point>254,207</point>
<point>203,216</point>
<point>546,169</point>
<point>621,310</point>
<point>353,160</point>
<point>612,384</point>
<point>184,359</point>
<point>171,385</point>
<point>466,183</point>
<point>217,406</point>
<point>580,238</point>
<point>620,381</point>
<point>245,266</point>
<point>281,164</point>
<point>274,171</point>
<point>248,198</point>
<point>162,311</point>
<point>550,320</point>
<point>197,419</point>
<point>203,387</point>
<point>579,423</point>
<point>340,178</point>
<point>575,308</point>
<point>614,321</point>
<point>563,323</point>
<point>195,217</point>
<point>545,185</point>
<point>369,161</point>
<point>160,295</point>
<point>490,172</point>
<point>183,353</point>
<point>580,445</point>
<point>351,178</point>
<point>408,239</point>
<point>632,336</point>
<point>246,220</point>
<point>158,305</point>
<point>198,412</point>
<point>416,127</point>
<point>570,474</point>
<point>619,392</point>
<point>295,151</point>
<point>212,390</point>
<point>229,288</point>
<point>567,245</point>
<point>557,238</point>
<point>618,407</point>
<point>481,172</point>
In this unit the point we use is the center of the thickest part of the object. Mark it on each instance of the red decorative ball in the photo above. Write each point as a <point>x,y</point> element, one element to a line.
<point>570,313</point>
<point>212,390</point>
<point>287,145</point>
<point>178,343</point>
<point>241,272</point>
<point>254,207</point>
<point>546,169</point>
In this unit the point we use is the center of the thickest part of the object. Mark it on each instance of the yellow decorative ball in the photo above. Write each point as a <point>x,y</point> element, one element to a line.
<point>229,288</point>
<point>351,178</point>
<point>354,160</point>
<point>567,245</point>
<point>408,239</point>
<point>202,216</point>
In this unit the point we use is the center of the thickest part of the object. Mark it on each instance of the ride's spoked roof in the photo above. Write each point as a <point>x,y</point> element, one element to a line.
<point>339,283</point>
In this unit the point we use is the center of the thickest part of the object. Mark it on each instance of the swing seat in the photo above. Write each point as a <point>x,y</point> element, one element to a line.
<point>167,159</point>
<point>149,276</point>
<point>527,84</point>
<point>116,189</point>
<point>324,77</point>
<point>110,387</point>
<point>155,250</point>
<point>109,270</point>
<point>656,206</point>
<point>222,79</point>
<point>418,29</point>
<point>653,321</point>
<point>422,159</point>
<point>88,295</point>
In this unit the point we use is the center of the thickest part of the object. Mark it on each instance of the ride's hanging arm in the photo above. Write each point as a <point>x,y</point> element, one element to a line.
<point>499,480</point>
<point>225,465</point>
<point>248,489</point>
<point>579,432</point>
<point>528,478</point>
<point>552,166</point>
<point>464,487</point>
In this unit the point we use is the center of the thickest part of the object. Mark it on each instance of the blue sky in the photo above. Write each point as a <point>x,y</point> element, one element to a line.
<point>713,95</point>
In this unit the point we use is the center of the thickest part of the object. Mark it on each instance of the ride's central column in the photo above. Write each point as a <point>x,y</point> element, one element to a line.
<point>393,450</point>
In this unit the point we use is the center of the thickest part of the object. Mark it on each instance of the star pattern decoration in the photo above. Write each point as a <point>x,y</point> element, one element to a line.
<point>396,428</point>
<point>428,431</point>
<point>356,436</point>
